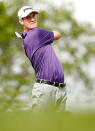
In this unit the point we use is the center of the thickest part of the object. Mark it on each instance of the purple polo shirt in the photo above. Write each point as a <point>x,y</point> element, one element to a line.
<point>37,47</point>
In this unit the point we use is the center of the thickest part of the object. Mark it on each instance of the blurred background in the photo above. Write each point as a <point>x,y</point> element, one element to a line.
<point>76,51</point>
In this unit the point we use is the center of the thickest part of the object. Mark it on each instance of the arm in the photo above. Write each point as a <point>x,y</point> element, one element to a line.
<point>57,35</point>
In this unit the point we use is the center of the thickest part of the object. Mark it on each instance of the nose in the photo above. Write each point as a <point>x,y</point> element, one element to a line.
<point>33,19</point>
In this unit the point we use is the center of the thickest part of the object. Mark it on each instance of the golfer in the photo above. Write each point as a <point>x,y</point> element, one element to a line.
<point>49,90</point>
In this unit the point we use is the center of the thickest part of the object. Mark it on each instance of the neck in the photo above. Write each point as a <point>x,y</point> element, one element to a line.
<point>25,29</point>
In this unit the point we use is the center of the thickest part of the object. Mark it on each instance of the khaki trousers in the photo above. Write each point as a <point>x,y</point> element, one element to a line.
<point>48,97</point>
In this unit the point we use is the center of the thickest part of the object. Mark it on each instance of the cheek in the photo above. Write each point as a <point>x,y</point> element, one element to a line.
<point>26,23</point>
<point>36,19</point>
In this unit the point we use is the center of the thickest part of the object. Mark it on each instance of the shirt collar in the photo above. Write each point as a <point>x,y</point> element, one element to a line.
<point>24,35</point>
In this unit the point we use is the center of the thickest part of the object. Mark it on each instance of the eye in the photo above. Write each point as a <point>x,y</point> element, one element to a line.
<point>34,16</point>
<point>28,17</point>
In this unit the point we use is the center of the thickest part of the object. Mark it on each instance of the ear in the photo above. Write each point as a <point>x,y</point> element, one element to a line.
<point>21,21</point>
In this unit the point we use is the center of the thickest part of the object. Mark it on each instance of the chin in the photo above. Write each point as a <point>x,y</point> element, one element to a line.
<point>33,27</point>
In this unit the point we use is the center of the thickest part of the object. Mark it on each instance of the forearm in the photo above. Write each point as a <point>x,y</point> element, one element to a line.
<point>57,35</point>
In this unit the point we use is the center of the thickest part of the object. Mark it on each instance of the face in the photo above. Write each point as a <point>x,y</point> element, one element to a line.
<point>29,22</point>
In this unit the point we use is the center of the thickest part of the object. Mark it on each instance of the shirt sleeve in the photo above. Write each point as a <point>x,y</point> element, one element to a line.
<point>35,39</point>
<point>45,36</point>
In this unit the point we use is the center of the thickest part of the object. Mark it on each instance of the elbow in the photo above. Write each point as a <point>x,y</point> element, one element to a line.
<point>57,35</point>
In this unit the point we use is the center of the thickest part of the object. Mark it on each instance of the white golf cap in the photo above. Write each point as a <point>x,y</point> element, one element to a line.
<point>25,11</point>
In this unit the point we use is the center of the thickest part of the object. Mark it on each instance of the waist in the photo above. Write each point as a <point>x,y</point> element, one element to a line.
<point>62,85</point>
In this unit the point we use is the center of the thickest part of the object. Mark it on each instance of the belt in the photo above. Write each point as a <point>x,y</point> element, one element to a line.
<point>51,83</point>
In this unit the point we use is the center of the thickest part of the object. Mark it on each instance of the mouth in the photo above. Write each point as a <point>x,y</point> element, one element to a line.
<point>33,22</point>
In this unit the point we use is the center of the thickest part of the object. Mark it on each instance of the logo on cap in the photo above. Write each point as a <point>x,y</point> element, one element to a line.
<point>27,9</point>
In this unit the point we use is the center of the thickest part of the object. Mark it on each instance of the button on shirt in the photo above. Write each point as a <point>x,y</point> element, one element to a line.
<point>37,47</point>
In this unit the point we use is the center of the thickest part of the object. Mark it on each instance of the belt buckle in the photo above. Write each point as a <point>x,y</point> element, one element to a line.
<point>60,84</point>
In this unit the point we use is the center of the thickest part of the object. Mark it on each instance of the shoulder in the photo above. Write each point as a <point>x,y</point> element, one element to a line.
<point>40,29</point>
<point>39,32</point>
<point>36,30</point>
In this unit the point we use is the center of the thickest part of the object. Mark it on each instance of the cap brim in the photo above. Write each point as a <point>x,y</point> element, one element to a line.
<point>33,11</point>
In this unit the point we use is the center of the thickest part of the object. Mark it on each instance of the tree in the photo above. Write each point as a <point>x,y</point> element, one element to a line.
<point>16,74</point>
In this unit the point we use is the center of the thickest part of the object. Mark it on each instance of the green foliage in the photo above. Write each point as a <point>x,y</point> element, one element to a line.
<point>75,36</point>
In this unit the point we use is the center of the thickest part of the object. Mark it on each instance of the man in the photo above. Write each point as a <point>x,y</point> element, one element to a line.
<point>49,89</point>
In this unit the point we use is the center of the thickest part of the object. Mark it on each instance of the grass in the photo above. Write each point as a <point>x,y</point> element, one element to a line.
<point>46,121</point>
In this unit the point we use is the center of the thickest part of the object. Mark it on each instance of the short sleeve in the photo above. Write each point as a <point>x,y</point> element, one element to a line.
<point>45,36</point>
<point>35,39</point>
